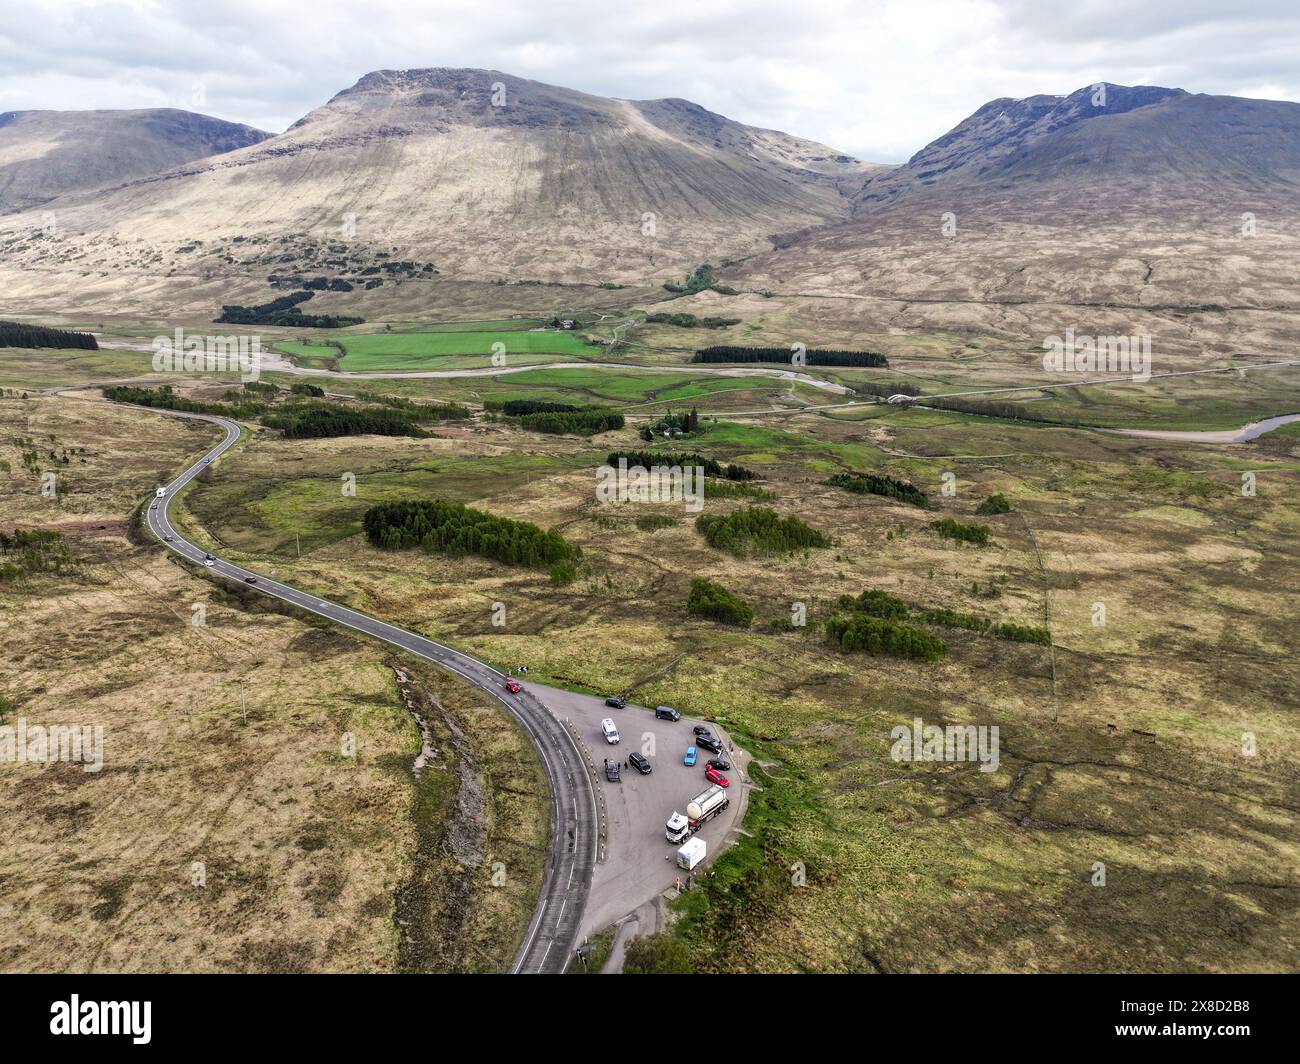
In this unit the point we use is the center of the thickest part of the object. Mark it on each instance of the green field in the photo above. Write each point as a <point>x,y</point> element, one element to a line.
<point>438,349</point>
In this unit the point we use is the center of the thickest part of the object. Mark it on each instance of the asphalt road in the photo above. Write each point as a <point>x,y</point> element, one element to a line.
<point>553,931</point>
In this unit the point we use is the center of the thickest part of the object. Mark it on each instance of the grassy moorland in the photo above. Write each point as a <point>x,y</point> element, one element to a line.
<point>1120,744</point>
<point>228,830</point>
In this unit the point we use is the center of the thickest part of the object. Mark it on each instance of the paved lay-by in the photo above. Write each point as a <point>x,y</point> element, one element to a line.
<point>555,924</point>
<point>638,865</point>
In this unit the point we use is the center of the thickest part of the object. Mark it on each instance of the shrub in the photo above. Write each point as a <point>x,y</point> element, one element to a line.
<point>563,573</point>
<point>1020,633</point>
<point>661,954</point>
<point>715,602</point>
<point>874,484</point>
<point>994,504</point>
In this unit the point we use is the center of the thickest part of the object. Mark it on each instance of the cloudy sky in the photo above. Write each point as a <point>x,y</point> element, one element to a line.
<point>875,78</point>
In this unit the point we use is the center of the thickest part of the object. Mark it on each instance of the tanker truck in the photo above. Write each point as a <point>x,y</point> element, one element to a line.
<point>699,810</point>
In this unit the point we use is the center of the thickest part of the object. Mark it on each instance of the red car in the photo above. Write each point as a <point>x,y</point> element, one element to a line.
<point>714,776</point>
<point>513,687</point>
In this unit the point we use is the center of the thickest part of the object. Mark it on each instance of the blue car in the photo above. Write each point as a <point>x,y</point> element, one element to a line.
<point>689,759</point>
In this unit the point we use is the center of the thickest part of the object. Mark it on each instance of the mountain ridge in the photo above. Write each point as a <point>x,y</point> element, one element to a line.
<point>46,154</point>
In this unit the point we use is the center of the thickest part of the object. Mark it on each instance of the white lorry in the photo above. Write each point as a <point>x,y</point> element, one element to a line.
<point>699,810</point>
<point>691,854</point>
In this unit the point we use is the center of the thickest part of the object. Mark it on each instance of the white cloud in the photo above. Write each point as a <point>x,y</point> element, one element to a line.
<point>878,79</point>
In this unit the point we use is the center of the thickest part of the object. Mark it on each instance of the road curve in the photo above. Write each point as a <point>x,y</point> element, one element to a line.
<point>552,933</point>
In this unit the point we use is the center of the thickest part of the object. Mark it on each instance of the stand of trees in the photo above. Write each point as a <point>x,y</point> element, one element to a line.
<point>421,412</point>
<point>882,606</point>
<point>165,399</point>
<point>1021,633</point>
<point>816,356</point>
<point>715,602</point>
<point>994,408</point>
<point>301,420</point>
<point>24,552</point>
<point>690,321</point>
<point>520,407</point>
<point>885,390</point>
<point>758,528</point>
<point>455,529</point>
<point>284,311</point>
<point>666,458</point>
<point>15,334</point>
<point>873,484</point>
<point>701,277</point>
<point>860,631</point>
<point>950,529</point>
<point>875,604</point>
<point>687,424</point>
<point>317,420</point>
<point>587,421</point>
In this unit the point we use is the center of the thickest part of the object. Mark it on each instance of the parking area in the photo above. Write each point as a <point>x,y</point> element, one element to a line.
<point>638,863</point>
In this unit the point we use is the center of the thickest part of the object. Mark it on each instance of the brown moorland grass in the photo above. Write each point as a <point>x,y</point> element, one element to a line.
<point>227,830</point>
<point>1132,759</point>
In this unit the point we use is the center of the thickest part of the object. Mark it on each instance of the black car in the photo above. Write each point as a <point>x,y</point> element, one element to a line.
<point>615,703</point>
<point>702,731</point>
<point>611,771</point>
<point>640,762</point>
<point>720,763</point>
<point>667,713</point>
<point>709,743</point>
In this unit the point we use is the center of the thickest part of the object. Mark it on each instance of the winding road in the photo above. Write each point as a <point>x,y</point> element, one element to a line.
<point>552,933</point>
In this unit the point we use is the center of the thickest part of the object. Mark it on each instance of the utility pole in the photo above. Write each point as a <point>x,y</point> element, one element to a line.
<point>297,545</point>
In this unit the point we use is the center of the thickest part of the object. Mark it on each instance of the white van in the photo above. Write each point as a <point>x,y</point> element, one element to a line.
<point>691,854</point>
<point>610,729</point>
<point>161,492</point>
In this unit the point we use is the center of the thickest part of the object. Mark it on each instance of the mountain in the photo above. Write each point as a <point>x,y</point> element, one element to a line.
<point>46,154</point>
<point>1143,197</point>
<point>1107,135</point>
<point>473,173</point>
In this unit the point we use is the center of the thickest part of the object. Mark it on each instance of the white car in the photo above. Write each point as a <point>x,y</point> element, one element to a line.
<point>610,729</point>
